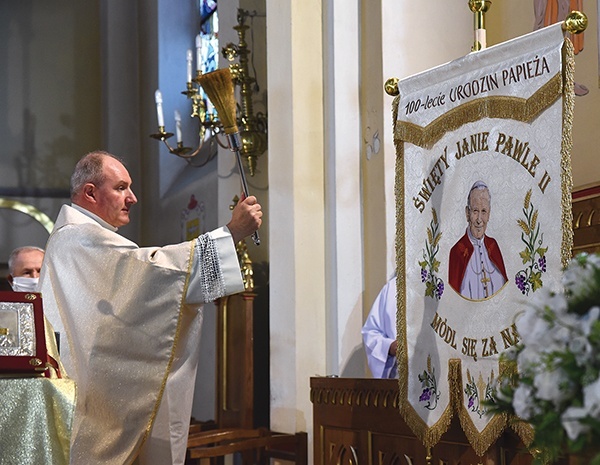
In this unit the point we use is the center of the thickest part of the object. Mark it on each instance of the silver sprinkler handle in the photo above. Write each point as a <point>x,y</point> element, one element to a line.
<point>235,144</point>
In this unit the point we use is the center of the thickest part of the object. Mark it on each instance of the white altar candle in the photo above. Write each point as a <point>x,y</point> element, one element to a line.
<point>190,59</point>
<point>159,108</point>
<point>178,126</point>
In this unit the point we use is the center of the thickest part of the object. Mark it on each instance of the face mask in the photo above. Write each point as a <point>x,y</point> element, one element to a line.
<point>24,284</point>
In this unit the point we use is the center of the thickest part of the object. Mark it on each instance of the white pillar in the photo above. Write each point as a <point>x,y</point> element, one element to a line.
<point>297,199</point>
<point>343,207</point>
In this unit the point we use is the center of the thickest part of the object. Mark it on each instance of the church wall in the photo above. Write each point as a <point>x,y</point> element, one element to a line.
<point>512,18</point>
<point>49,108</point>
<point>296,177</point>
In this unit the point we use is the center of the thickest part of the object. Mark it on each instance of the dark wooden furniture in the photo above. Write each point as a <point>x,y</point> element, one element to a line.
<point>234,430</point>
<point>357,421</point>
<point>586,219</point>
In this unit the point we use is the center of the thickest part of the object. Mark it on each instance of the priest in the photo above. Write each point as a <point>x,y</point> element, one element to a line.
<point>379,333</point>
<point>130,317</point>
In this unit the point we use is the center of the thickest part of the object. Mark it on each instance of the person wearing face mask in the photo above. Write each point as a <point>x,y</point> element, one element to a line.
<point>476,268</point>
<point>24,266</point>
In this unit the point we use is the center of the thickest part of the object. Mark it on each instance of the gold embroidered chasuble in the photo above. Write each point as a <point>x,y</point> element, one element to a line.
<point>126,317</point>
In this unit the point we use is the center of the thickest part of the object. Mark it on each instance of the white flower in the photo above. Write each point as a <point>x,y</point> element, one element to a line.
<point>556,339</point>
<point>591,398</point>
<point>553,386</point>
<point>523,402</point>
<point>529,361</point>
<point>531,327</point>
<point>579,276</point>
<point>570,420</point>
<point>581,348</point>
<point>587,320</point>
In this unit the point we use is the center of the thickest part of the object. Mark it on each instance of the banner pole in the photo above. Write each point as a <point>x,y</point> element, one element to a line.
<point>479,8</point>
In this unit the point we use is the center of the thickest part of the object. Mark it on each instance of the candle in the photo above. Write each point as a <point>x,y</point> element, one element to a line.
<point>199,52</point>
<point>210,108</point>
<point>178,126</point>
<point>159,109</point>
<point>189,59</point>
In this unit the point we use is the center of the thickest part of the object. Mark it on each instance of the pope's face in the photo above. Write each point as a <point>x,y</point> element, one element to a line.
<point>114,196</point>
<point>478,212</point>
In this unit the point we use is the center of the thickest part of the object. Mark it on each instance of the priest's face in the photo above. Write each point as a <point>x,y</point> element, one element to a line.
<point>114,196</point>
<point>478,212</point>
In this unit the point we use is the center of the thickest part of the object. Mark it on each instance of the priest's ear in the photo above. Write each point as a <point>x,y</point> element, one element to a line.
<point>89,192</point>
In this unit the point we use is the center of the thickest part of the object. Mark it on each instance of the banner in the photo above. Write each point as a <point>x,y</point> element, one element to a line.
<point>483,211</point>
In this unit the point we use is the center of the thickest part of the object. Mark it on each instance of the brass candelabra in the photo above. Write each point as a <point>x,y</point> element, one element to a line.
<point>252,126</point>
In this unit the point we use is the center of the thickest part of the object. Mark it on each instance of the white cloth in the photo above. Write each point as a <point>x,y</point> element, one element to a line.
<point>379,331</point>
<point>482,278</point>
<point>128,317</point>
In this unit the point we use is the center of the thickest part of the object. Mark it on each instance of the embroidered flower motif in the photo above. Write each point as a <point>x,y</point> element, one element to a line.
<point>434,286</point>
<point>477,392</point>
<point>430,395</point>
<point>534,255</point>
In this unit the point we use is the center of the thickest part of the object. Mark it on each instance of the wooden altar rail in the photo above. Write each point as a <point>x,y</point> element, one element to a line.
<point>357,422</point>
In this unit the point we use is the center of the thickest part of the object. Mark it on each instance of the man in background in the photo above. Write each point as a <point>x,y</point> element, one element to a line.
<point>131,317</point>
<point>24,265</point>
<point>379,333</point>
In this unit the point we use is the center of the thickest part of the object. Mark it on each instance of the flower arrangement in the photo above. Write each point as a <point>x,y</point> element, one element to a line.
<point>553,380</point>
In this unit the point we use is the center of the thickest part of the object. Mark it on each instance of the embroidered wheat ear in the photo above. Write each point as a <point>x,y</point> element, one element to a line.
<point>433,212</point>
<point>534,220</point>
<point>429,364</point>
<point>527,199</point>
<point>429,235</point>
<point>524,227</point>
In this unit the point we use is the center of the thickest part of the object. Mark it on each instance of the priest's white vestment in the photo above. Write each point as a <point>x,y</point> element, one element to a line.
<point>129,320</point>
<point>379,331</point>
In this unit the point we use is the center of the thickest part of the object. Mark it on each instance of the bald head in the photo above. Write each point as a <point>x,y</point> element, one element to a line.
<point>101,184</point>
<point>25,262</point>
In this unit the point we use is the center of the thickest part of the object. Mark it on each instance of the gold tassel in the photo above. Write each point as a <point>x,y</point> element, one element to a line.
<point>218,86</point>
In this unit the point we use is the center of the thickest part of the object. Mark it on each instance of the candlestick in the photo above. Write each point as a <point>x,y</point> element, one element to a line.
<point>189,60</point>
<point>199,52</point>
<point>253,126</point>
<point>178,126</point>
<point>159,109</point>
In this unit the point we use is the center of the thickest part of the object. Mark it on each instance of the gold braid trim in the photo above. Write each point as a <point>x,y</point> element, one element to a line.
<point>504,107</point>
<point>523,429</point>
<point>566,148</point>
<point>480,442</point>
<point>172,356</point>
<point>429,436</point>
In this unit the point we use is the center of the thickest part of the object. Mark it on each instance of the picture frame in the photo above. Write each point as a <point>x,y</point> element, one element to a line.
<point>23,349</point>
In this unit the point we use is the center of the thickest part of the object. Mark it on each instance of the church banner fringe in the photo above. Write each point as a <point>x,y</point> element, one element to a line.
<point>499,121</point>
